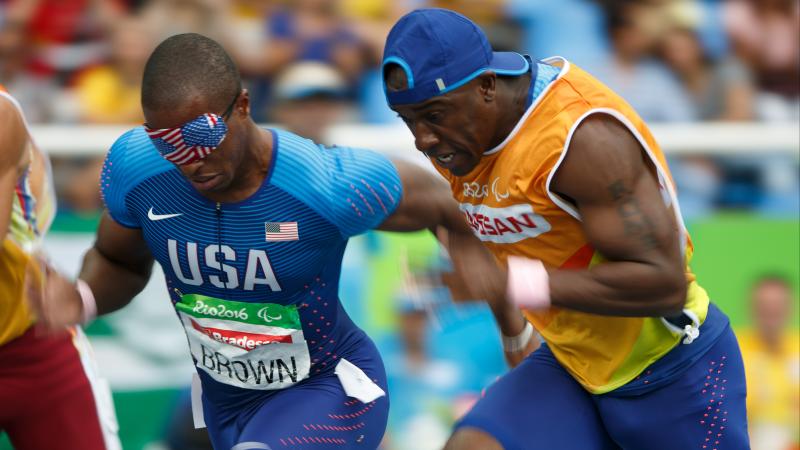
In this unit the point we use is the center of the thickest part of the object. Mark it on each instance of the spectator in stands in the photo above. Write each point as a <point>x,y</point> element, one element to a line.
<point>109,93</point>
<point>644,82</point>
<point>308,30</point>
<point>105,94</point>
<point>244,33</point>
<point>170,17</point>
<point>308,98</point>
<point>723,90</point>
<point>302,30</point>
<point>766,35</point>
<point>371,21</point>
<point>569,28</point>
<point>771,353</point>
<point>501,28</point>
<point>719,90</point>
<point>45,42</point>
<point>37,94</point>
<point>66,35</point>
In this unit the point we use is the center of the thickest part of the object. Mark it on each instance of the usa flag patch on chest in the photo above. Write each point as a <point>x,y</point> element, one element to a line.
<point>281,231</point>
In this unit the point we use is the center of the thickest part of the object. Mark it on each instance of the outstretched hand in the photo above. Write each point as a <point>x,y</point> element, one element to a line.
<point>477,276</point>
<point>53,298</point>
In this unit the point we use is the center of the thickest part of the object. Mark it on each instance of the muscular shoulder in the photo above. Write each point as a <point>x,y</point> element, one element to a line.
<point>353,188</point>
<point>130,161</point>
<point>300,164</point>
<point>601,152</point>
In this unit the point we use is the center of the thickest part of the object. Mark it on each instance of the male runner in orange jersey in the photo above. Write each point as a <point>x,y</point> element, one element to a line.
<point>48,385</point>
<point>571,195</point>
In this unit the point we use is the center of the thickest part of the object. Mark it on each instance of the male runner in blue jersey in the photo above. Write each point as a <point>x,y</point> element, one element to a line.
<point>249,226</point>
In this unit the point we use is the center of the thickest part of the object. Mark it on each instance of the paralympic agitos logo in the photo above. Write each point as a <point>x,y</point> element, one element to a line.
<point>264,315</point>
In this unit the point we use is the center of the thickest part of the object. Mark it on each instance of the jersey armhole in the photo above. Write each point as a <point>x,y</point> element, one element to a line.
<point>669,196</point>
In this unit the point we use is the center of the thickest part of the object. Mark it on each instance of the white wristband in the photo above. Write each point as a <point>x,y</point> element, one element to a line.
<point>88,301</point>
<point>520,341</point>
<point>528,283</point>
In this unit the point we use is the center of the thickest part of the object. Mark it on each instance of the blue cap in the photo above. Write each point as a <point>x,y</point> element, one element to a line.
<point>441,50</point>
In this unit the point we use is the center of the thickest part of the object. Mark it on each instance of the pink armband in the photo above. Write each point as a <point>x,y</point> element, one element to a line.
<point>528,283</point>
<point>88,301</point>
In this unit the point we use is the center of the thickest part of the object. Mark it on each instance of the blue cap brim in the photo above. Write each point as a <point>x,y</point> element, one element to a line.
<point>502,63</point>
<point>509,63</point>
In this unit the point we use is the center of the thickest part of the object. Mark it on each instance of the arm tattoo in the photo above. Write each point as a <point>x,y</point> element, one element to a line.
<point>635,223</point>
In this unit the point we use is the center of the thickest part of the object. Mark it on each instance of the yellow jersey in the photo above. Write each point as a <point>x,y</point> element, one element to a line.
<point>508,202</point>
<point>32,212</point>
<point>773,389</point>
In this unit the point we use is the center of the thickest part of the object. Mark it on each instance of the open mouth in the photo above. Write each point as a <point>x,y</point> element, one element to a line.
<point>446,158</point>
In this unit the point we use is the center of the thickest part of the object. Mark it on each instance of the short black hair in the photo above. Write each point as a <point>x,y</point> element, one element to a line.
<point>185,65</point>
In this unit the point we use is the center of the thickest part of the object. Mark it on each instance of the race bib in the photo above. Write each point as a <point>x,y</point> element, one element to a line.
<point>247,345</point>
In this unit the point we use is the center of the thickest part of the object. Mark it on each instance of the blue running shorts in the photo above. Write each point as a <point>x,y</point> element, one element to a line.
<point>538,405</point>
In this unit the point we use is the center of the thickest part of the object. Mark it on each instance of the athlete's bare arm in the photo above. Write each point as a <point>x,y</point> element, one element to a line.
<point>614,187</point>
<point>116,268</point>
<point>427,203</point>
<point>610,179</point>
<point>14,143</point>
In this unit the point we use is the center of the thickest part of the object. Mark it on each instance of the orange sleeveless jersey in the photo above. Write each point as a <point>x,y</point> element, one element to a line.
<point>510,207</point>
<point>30,218</point>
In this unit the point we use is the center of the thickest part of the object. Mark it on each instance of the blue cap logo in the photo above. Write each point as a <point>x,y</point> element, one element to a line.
<point>441,50</point>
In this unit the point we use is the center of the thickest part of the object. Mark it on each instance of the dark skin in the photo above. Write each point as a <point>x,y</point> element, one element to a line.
<point>605,175</point>
<point>119,264</point>
<point>442,126</point>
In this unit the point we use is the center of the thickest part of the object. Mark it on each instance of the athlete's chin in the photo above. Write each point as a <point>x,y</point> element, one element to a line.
<point>462,168</point>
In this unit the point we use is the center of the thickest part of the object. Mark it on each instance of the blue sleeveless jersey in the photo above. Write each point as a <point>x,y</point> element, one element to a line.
<point>255,283</point>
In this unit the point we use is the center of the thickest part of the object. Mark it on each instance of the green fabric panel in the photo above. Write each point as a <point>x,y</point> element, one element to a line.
<point>269,314</point>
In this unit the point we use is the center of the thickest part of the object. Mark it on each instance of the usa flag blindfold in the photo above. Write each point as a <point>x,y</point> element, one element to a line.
<point>190,142</point>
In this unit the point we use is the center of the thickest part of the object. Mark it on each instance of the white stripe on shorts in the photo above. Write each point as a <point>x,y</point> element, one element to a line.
<point>100,390</point>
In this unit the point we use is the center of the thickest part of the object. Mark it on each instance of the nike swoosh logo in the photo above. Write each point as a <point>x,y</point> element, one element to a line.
<point>153,216</point>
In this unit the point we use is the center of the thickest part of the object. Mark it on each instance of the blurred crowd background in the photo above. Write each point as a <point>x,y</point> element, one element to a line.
<point>313,64</point>
<point>309,63</point>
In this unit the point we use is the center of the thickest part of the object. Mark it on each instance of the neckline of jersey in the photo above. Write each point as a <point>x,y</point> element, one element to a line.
<point>564,69</point>
<point>257,193</point>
